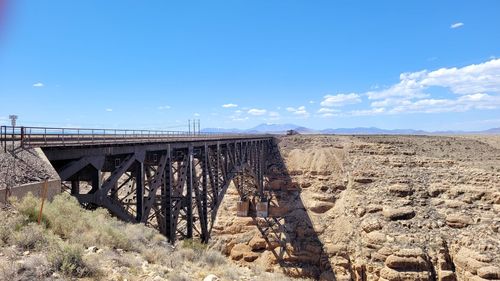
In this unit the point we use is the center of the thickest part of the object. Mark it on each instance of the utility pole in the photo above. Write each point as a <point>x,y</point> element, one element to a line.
<point>194,127</point>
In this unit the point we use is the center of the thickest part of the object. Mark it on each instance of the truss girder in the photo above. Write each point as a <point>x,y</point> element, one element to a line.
<point>177,190</point>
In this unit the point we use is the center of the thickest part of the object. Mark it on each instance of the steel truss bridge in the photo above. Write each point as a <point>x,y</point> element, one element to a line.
<point>173,181</point>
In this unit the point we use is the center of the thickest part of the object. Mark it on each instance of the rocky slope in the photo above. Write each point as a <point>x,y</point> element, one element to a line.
<point>20,166</point>
<point>377,208</point>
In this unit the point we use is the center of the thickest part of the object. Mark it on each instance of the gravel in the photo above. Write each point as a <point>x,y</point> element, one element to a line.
<point>23,166</point>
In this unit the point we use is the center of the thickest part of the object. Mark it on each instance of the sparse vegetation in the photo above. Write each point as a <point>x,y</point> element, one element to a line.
<point>72,243</point>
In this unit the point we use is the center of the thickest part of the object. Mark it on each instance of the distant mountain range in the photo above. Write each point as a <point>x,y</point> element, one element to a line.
<point>282,128</point>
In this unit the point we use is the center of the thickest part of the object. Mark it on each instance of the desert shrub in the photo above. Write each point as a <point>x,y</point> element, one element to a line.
<point>184,254</point>
<point>193,244</point>
<point>29,206</point>
<point>179,276</point>
<point>140,234</point>
<point>233,273</point>
<point>9,224</point>
<point>157,255</point>
<point>213,258</point>
<point>29,237</point>
<point>34,268</point>
<point>8,270</point>
<point>68,259</point>
<point>65,216</point>
<point>126,259</point>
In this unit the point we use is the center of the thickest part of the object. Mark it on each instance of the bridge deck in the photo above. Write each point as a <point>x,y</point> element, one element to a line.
<point>77,137</point>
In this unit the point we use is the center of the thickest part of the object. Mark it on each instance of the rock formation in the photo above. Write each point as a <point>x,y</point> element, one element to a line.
<point>376,208</point>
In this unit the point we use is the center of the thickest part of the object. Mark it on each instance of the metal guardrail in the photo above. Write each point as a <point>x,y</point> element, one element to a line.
<point>47,136</point>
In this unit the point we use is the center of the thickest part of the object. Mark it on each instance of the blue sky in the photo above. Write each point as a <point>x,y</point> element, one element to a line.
<point>234,64</point>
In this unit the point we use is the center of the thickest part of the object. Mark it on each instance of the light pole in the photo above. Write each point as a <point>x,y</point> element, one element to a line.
<point>13,119</point>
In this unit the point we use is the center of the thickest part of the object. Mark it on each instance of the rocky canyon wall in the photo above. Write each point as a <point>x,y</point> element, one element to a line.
<point>374,208</point>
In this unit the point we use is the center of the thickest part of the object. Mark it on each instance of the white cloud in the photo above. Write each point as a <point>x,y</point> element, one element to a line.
<point>463,103</point>
<point>274,114</point>
<point>312,102</point>
<point>164,107</point>
<point>327,110</point>
<point>240,119</point>
<point>229,105</point>
<point>366,112</point>
<point>38,85</point>
<point>390,102</point>
<point>474,78</point>
<point>196,114</point>
<point>408,87</point>
<point>109,109</point>
<point>456,25</point>
<point>340,99</point>
<point>327,115</point>
<point>257,112</point>
<point>300,111</point>
<point>478,87</point>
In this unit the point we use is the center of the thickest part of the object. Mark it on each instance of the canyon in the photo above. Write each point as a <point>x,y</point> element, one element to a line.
<point>374,208</point>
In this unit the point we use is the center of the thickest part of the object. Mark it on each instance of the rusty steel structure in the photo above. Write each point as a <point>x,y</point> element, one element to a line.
<point>172,181</point>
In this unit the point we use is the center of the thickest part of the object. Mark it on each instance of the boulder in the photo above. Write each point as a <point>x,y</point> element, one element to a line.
<point>321,207</point>
<point>211,277</point>
<point>489,272</point>
<point>406,263</point>
<point>257,243</point>
<point>240,251</point>
<point>371,224</point>
<point>402,213</point>
<point>400,189</point>
<point>446,275</point>
<point>390,274</point>
<point>458,221</point>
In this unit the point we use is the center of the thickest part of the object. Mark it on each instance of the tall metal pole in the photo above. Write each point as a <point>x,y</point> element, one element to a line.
<point>189,195</point>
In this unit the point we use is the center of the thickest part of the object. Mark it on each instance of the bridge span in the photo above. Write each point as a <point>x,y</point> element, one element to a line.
<point>173,181</point>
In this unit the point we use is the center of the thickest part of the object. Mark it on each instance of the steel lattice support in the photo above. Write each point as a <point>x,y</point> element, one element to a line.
<point>176,188</point>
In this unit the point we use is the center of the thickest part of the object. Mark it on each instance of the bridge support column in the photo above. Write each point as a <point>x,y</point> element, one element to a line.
<point>204,193</point>
<point>189,195</point>
<point>168,223</point>
<point>96,180</point>
<point>139,181</point>
<point>75,187</point>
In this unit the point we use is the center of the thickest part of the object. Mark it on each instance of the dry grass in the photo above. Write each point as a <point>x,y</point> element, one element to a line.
<point>60,246</point>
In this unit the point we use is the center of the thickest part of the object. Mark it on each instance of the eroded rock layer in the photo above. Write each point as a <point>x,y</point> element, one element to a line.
<point>377,208</point>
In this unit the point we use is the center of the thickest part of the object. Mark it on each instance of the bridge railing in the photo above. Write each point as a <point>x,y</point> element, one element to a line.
<point>48,136</point>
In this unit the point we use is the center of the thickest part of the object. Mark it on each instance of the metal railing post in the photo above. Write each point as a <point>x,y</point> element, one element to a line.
<point>22,136</point>
<point>3,135</point>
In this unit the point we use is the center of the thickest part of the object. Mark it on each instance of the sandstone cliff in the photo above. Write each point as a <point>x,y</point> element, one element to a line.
<point>376,208</point>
